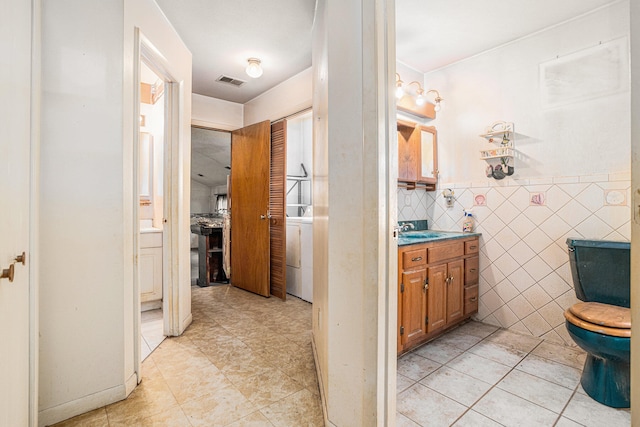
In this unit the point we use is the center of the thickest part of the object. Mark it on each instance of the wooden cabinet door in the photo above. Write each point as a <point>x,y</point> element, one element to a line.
<point>455,291</point>
<point>407,152</point>
<point>436,297</point>
<point>414,306</point>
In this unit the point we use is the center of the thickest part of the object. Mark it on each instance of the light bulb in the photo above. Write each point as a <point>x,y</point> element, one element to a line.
<point>437,106</point>
<point>420,100</point>
<point>254,69</point>
<point>399,90</point>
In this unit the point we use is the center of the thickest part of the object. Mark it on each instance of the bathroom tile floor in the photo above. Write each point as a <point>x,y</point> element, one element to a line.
<point>480,375</point>
<point>152,332</point>
<point>244,361</point>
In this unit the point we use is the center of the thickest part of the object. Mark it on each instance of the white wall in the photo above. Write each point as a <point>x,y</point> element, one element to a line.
<point>154,125</point>
<point>575,154</point>
<point>352,137</point>
<point>585,137</point>
<point>289,97</point>
<point>216,113</point>
<point>87,205</point>
<point>201,198</point>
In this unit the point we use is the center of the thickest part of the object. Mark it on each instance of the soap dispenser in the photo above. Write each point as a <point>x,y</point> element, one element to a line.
<point>467,224</point>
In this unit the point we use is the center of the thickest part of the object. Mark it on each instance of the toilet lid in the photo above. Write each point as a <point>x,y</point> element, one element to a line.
<point>603,318</point>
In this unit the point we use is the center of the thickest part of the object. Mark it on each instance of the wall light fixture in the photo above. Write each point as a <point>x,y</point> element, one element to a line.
<point>420,94</point>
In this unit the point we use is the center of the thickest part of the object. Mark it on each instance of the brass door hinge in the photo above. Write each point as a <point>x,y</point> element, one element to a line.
<point>401,330</point>
<point>401,287</point>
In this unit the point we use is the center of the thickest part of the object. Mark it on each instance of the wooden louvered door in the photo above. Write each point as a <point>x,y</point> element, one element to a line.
<point>277,210</point>
<point>250,158</point>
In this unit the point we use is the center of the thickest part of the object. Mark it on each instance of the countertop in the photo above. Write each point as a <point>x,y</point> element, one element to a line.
<point>427,236</point>
<point>204,229</point>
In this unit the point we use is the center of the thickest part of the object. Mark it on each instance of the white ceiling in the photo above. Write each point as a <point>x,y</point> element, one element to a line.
<point>433,33</point>
<point>222,35</point>
<point>210,156</point>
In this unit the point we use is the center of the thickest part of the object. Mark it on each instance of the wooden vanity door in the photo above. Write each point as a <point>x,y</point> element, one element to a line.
<point>414,306</point>
<point>455,291</point>
<point>436,297</point>
<point>250,160</point>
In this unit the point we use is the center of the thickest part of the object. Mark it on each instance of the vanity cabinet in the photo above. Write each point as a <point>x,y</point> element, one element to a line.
<point>417,156</point>
<point>150,265</point>
<point>438,288</point>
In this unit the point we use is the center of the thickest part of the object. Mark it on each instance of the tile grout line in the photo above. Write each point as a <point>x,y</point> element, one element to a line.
<point>494,385</point>
<point>502,378</point>
<point>575,390</point>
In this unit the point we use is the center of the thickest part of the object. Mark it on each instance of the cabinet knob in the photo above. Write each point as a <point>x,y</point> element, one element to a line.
<point>22,258</point>
<point>8,273</point>
<point>418,258</point>
<point>474,299</point>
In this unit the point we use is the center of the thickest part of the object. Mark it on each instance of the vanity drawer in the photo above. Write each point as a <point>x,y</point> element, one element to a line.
<point>151,240</point>
<point>414,258</point>
<point>470,299</point>
<point>471,247</point>
<point>471,267</point>
<point>444,252</point>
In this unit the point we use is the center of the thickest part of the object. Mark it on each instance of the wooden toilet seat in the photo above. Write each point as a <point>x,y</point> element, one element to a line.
<point>602,318</point>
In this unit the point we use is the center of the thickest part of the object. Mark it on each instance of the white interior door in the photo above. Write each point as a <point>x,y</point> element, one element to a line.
<point>15,134</point>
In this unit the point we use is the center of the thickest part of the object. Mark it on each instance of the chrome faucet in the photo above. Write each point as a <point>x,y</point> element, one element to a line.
<point>407,226</point>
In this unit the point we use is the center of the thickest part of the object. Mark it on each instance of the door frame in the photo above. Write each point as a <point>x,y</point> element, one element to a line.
<point>147,52</point>
<point>34,217</point>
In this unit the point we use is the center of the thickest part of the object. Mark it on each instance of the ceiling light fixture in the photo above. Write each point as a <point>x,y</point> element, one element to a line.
<point>420,94</point>
<point>254,69</point>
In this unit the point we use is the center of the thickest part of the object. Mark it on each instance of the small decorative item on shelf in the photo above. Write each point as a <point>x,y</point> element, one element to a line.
<point>500,160</point>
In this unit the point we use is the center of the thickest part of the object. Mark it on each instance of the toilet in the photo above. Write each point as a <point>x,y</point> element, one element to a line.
<point>601,323</point>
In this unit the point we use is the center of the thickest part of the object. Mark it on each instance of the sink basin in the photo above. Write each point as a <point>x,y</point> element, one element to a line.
<point>421,235</point>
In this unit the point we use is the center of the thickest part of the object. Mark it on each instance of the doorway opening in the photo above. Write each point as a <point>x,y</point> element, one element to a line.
<point>157,195</point>
<point>210,168</point>
<point>151,208</point>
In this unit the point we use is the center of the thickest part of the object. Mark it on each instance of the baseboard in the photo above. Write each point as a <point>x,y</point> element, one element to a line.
<point>323,399</point>
<point>186,322</point>
<point>130,384</point>
<point>151,305</point>
<point>80,406</point>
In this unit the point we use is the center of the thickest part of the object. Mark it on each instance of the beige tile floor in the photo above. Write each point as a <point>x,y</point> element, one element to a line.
<point>245,361</point>
<point>479,375</point>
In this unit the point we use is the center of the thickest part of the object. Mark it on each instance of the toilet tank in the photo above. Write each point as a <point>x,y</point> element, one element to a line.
<point>601,270</point>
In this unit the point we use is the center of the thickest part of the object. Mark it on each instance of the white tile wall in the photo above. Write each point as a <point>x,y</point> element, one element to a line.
<point>525,280</point>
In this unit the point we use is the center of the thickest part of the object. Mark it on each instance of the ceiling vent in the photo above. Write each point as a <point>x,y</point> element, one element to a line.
<point>230,80</point>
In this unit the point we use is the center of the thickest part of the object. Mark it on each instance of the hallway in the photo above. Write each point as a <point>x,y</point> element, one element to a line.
<point>245,360</point>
